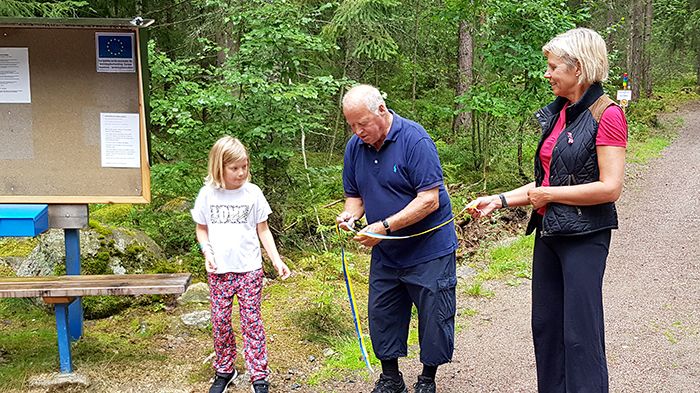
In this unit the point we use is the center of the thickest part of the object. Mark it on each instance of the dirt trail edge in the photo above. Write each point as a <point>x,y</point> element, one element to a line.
<point>651,294</point>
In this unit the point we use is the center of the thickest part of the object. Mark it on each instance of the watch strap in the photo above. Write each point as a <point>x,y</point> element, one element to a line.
<point>386,226</point>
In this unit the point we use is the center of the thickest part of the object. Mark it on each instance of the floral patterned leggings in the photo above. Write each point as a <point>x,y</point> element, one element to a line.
<point>248,288</point>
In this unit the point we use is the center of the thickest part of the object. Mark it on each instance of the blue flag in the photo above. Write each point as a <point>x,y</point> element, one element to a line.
<point>115,46</point>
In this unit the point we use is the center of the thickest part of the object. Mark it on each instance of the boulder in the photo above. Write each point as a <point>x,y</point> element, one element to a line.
<point>196,293</point>
<point>199,319</point>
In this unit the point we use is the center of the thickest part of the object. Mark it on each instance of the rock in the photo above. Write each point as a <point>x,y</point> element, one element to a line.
<point>199,319</point>
<point>328,352</point>
<point>312,358</point>
<point>465,272</point>
<point>125,251</point>
<point>196,293</point>
<point>58,380</point>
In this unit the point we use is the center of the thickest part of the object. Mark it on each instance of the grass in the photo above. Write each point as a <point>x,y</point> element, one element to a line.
<point>28,341</point>
<point>641,152</point>
<point>513,259</point>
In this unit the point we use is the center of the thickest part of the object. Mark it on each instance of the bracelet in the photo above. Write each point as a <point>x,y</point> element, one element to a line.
<point>504,203</point>
<point>204,247</point>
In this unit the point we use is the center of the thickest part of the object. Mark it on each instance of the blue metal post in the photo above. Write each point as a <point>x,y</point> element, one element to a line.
<point>64,357</point>
<point>75,309</point>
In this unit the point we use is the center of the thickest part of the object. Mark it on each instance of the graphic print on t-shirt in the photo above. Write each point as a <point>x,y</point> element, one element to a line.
<point>229,214</point>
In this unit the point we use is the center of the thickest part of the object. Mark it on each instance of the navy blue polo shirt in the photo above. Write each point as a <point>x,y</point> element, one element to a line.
<point>389,179</point>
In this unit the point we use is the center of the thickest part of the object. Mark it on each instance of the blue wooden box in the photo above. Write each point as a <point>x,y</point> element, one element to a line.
<point>23,220</point>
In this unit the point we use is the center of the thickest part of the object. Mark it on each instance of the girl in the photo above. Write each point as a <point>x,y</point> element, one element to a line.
<point>231,215</point>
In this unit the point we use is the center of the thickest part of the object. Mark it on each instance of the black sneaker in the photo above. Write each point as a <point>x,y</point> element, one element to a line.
<point>424,385</point>
<point>221,381</point>
<point>260,386</point>
<point>389,385</point>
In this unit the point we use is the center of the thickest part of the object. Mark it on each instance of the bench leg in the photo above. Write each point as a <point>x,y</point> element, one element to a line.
<point>75,310</point>
<point>64,356</point>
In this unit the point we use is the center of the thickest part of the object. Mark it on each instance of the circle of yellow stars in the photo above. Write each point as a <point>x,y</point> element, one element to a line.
<point>115,47</point>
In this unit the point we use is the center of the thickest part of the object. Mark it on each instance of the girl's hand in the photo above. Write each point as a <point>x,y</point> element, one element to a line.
<point>282,270</point>
<point>209,263</point>
<point>483,206</point>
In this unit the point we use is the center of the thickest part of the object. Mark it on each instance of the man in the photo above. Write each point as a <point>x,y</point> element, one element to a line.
<point>392,175</point>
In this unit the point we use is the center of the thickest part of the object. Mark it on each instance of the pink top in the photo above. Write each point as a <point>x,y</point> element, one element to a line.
<point>612,131</point>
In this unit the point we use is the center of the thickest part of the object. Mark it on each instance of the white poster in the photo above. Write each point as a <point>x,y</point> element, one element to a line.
<point>120,140</point>
<point>14,76</point>
<point>115,52</point>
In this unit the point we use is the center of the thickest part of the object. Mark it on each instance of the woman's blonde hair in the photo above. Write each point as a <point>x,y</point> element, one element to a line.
<point>225,151</point>
<point>582,46</point>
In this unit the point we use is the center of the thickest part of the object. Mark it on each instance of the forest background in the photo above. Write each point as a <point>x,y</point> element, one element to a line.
<point>272,73</point>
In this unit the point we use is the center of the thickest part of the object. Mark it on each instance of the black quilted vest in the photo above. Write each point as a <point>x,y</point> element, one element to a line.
<point>573,163</point>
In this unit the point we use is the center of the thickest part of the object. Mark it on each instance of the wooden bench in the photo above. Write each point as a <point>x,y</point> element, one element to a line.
<point>62,290</point>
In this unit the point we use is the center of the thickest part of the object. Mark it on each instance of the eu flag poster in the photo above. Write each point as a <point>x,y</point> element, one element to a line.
<point>115,52</point>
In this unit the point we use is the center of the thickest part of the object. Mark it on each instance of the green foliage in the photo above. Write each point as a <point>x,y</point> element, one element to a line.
<point>363,23</point>
<point>36,8</point>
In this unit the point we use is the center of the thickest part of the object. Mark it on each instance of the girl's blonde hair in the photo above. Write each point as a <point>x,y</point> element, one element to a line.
<point>225,151</point>
<point>582,46</point>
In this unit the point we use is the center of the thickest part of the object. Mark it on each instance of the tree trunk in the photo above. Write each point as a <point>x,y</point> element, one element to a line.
<point>646,55</point>
<point>635,48</point>
<point>465,60</point>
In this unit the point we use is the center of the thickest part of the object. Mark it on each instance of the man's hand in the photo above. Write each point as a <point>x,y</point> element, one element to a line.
<point>367,241</point>
<point>345,220</point>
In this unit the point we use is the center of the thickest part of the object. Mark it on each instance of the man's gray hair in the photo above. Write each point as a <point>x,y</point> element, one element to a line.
<point>366,94</point>
<point>584,46</point>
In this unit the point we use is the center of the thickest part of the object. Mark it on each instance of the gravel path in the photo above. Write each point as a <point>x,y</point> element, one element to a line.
<point>651,294</point>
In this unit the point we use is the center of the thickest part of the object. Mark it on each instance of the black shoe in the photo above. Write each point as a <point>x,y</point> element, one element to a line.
<point>260,386</point>
<point>221,382</point>
<point>389,385</point>
<point>424,385</point>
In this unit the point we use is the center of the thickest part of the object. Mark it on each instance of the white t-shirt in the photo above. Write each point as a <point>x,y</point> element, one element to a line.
<point>231,217</point>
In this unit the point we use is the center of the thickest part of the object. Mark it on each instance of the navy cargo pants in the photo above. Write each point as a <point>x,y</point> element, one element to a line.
<point>393,292</point>
<point>567,312</point>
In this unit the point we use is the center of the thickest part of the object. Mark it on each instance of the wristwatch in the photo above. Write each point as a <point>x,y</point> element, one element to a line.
<point>386,226</point>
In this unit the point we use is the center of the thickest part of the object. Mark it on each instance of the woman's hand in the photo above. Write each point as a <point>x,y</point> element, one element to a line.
<point>282,269</point>
<point>483,206</point>
<point>539,196</point>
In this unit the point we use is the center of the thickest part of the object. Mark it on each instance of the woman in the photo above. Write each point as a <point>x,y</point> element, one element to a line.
<point>579,169</point>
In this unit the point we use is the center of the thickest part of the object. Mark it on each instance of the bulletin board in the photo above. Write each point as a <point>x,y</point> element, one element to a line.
<point>78,135</point>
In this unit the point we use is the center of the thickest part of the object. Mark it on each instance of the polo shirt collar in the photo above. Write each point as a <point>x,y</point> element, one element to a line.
<point>396,123</point>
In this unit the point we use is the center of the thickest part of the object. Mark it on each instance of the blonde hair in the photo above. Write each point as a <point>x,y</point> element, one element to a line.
<point>366,94</point>
<point>225,151</point>
<point>582,46</point>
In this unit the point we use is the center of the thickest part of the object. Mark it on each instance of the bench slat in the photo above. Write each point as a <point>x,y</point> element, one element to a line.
<point>127,284</point>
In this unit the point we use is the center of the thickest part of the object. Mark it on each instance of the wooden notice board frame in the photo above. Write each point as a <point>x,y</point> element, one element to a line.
<point>52,148</point>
